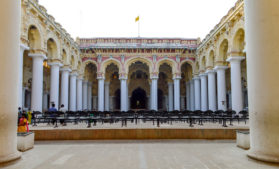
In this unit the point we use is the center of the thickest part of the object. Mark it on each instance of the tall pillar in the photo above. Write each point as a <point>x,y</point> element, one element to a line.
<point>176,83</point>
<point>73,91</point>
<point>95,102</point>
<point>37,82</point>
<point>221,87</point>
<point>262,37</point>
<point>20,94</point>
<point>84,94</point>
<point>65,87</point>
<point>154,96</point>
<point>79,93</point>
<point>192,94</point>
<point>197,93</point>
<point>45,103</point>
<point>204,104</point>
<point>89,96</point>
<point>101,94</point>
<point>211,90</point>
<point>170,84</point>
<point>188,97</point>
<point>237,97</point>
<point>182,102</point>
<point>9,73</point>
<point>107,96</point>
<point>123,97</point>
<point>54,83</point>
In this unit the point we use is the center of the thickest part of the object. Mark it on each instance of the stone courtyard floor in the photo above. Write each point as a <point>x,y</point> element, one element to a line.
<point>144,154</point>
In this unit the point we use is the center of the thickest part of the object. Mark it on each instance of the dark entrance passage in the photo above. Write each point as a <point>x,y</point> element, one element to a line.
<point>117,99</point>
<point>138,99</point>
<point>160,99</point>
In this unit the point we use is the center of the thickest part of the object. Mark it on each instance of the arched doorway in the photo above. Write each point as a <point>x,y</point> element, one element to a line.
<point>138,99</point>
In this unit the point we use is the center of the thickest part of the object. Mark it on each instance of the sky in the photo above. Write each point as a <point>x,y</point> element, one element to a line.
<point>158,18</point>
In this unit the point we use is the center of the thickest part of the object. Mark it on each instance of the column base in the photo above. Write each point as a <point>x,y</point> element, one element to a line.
<point>262,156</point>
<point>10,157</point>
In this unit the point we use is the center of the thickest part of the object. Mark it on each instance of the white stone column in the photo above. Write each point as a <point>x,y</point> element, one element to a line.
<point>21,55</point>
<point>192,94</point>
<point>262,36</point>
<point>107,96</point>
<point>37,82</point>
<point>101,94</point>
<point>176,98</point>
<point>236,87</point>
<point>197,93</point>
<point>154,96</point>
<point>182,102</point>
<point>211,90</point>
<point>64,99</point>
<point>188,96</point>
<point>45,99</point>
<point>54,83</point>
<point>123,97</point>
<point>79,94</point>
<point>9,73</point>
<point>170,84</point>
<point>84,94</point>
<point>95,102</point>
<point>204,103</point>
<point>221,87</point>
<point>89,96</point>
<point>73,91</point>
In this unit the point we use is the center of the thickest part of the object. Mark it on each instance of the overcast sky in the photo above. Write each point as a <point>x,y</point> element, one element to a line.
<point>158,18</point>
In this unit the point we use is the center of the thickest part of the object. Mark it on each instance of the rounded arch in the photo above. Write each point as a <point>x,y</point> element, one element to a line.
<point>197,68</point>
<point>81,65</point>
<point>107,62</point>
<point>73,62</point>
<point>130,61</point>
<point>223,50</point>
<point>190,62</point>
<point>169,62</point>
<point>52,49</point>
<point>210,59</point>
<point>34,38</point>
<point>64,56</point>
<point>238,40</point>
<point>203,63</point>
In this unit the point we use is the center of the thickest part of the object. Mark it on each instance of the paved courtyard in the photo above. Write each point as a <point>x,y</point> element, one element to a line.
<point>158,154</point>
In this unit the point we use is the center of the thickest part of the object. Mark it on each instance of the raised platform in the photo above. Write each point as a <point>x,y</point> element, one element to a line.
<point>134,134</point>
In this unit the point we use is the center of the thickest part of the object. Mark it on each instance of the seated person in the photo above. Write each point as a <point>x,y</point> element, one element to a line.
<point>23,124</point>
<point>52,109</point>
<point>63,109</point>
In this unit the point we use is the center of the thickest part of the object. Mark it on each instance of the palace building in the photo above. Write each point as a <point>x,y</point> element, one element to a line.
<point>42,64</point>
<point>108,74</point>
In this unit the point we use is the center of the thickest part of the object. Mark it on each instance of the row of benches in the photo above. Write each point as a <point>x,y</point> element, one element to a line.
<point>158,117</point>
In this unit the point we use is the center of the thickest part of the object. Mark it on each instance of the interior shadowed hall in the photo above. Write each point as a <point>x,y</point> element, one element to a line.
<point>202,96</point>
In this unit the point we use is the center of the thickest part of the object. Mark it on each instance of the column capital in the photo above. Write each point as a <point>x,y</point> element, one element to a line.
<point>177,78</point>
<point>80,78</point>
<point>74,73</point>
<point>37,55</point>
<point>196,78</point>
<point>24,47</point>
<point>202,75</point>
<point>210,71</point>
<point>107,83</point>
<point>123,78</point>
<point>55,64</point>
<point>65,69</point>
<point>235,58</point>
<point>220,67</point>
<point>155,77</point>
<point>101,78</point>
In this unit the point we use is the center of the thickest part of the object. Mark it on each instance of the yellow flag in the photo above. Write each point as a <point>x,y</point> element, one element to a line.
<point>137,19</point>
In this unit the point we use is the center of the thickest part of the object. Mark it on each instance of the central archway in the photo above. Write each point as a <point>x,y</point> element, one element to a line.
<point>138,99</point>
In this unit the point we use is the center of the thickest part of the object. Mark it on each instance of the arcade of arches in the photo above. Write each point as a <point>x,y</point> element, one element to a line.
<point>141,73</point>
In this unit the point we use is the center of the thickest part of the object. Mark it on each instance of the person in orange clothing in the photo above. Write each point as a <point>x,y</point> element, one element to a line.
<point>23,124</point>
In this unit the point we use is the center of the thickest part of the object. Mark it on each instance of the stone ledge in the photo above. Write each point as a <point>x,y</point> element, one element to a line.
<point>25,141</point>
